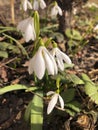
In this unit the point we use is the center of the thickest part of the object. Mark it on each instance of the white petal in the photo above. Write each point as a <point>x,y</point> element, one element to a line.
<point>65,57</point>
<point>61,102</point>
<point>29,5</point>
<point>28,33</point>
<point>52,103</point>
<point>59,10</point>
<point>54,12</point>
<point>35,5</point>
<point>24,3</point>
<point>96,28</point>
<point>48,61</point>
<point>60,63</point>
<point>50,93</point>
<point>22,25</point>
<point>42,4</point>
<point>31,64</point>
<point>27,28</point>
<point>38,64</point>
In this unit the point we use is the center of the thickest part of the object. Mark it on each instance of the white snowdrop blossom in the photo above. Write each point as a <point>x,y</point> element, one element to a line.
<point>54,99</point>
<point>39,3</point>
<point>56,10</point>
<point>41,61</point>
<point>60,58</point>
<point>26,4</point>
<point>27,28</point>
<point>96,28</point>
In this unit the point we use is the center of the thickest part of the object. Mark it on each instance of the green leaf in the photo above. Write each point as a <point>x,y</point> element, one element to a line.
<point>90,88</point>
<point>73,34</point>
<point>12,88</point>
<point>68,33</point>
<point>68,95</point>
<point>18,44</point>
<point>3,54</point>
<point>16,87</point>
<point>76,35</point>
<point>28,112</point>
<point>75,79</point>
<point>74,106</point>
<point>37,112</point>
<point>36,23</point>
<point>9,46</point>
<point>58,37</point>
<point>68,65</point>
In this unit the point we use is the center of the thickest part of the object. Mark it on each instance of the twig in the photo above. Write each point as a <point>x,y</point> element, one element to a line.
<point>12,12</point>
<point>9,61</point>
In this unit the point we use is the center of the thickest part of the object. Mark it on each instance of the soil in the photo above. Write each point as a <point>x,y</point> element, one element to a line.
<point>13,104</point>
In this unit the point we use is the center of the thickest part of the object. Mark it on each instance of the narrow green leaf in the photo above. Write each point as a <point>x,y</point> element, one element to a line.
<point>12,88</point>
<point>68,65</point>
<point>75,79</point>
<point>37,112</point>
<point>74,106</point>
<point>28,112</point>
<point>18,44</point>
<point>70,112</point>
<point>36,23</point>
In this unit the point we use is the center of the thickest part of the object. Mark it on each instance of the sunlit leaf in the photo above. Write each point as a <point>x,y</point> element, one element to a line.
<point>75,79</point>
<point>36,23</point>
<point>37,112</point>
<point>68,65</point>
<point>3,54</point>
<point>90,88</point>
<point>68,33</point>
<point>12,88</point>
<point>76,35</point>
<point>16,87</point>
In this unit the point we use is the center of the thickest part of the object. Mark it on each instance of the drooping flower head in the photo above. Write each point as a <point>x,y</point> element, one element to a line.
<point>26,26</point>
<point>60,58</point>
<point>41,61</point>
<point>26,4</point>
<point>56,10</point>
<point>54,99</point>
<point>39,4</point>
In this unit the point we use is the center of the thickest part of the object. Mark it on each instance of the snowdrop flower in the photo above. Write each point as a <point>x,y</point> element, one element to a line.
<point>60,58</point>
<point>56,10</point>
<point>26,4</point>
<point>54,99</point>
<point>41,61</point>
<point>96,28</point>
<point>39,3</point>
<point>27,28</point>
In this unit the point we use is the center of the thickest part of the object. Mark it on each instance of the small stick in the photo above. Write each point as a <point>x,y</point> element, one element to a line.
<point>12,12</point>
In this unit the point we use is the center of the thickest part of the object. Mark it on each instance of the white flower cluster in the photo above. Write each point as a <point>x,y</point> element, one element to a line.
<point>36,4</point>
<point>50,61</point>
<point>43,60</point>
<point>26,26</point>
